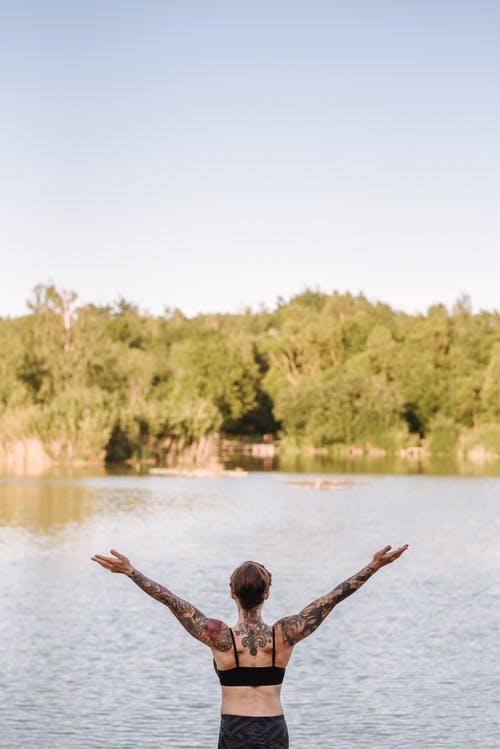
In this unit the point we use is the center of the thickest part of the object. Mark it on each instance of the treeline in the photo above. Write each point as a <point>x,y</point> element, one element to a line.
<point>318,371</point>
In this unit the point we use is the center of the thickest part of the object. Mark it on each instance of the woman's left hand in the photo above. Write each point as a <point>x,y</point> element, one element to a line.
<point>117,563</point>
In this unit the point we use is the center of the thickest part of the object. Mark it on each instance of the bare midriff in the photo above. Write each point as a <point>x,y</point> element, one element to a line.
<point>258,702</point>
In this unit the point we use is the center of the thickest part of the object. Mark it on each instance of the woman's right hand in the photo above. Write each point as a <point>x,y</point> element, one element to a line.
<point>386,556</point>
<point>116,563</point>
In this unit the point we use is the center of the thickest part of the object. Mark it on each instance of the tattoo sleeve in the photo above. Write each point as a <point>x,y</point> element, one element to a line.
<point>296,628</point>
<point>211,632</point>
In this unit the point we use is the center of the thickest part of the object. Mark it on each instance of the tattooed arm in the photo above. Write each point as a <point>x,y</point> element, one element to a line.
<point>296,628</point>
<point>211,632</point>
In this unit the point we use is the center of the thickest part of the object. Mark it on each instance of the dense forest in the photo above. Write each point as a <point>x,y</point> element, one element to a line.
<point>318,371</point>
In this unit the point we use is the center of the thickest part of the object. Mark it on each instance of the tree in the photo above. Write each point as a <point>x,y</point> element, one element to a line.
<point>490,391</point>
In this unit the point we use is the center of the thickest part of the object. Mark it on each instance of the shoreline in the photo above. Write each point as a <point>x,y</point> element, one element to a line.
<point>30,458</point>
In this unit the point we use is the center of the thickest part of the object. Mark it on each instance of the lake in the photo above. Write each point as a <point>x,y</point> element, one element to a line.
<point>410,660</point>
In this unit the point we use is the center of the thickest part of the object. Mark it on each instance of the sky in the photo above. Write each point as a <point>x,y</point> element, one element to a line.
<point>214,156</point>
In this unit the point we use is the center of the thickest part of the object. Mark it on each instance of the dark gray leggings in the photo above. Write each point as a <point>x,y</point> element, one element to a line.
<point>241,732</point>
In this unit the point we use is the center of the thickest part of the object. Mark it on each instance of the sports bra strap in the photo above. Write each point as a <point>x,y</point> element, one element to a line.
<point>273,648</point>
<point>235,651</point>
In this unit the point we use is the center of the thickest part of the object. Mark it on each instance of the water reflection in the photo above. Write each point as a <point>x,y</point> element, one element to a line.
<point>41,506</point>
<point>302,462</point>
<point>47,506</point>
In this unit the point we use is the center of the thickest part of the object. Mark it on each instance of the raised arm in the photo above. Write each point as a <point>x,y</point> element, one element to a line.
<point>296,628</point>
<point>211,632</point>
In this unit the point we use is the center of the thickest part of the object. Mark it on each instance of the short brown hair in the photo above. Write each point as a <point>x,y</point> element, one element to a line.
<point>250,583</point>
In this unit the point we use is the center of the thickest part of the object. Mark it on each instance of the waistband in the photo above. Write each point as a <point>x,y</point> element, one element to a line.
<point>228,717</point>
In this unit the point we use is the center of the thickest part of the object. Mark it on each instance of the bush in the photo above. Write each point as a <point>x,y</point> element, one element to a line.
<point>481,443</point>
<point>443,435</point>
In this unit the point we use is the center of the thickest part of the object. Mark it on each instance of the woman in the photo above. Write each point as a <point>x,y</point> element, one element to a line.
<point>250,658</point>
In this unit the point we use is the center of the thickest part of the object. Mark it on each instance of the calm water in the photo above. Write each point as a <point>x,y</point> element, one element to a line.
<point>88,660</point>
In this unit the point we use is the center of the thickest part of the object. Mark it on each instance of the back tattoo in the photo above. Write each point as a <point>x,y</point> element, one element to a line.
<point>254,635</point>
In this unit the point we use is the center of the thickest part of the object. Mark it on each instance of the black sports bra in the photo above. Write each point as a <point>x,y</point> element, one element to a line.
<point>249,676</point>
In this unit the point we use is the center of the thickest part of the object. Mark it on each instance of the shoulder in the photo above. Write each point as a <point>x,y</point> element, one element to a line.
<point>284,644</point>
<point>287,629</point>
<point>217,635</point>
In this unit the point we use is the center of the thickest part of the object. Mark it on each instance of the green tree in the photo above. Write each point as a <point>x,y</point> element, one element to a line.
<point>490,391</point>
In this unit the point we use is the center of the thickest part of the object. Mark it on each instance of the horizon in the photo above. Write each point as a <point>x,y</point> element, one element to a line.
<point>79,303</point>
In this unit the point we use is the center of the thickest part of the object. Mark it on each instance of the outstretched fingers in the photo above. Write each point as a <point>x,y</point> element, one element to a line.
<point>386,556</point>
<point>109,563</point>
<point>101,558</point>
<point>102,561</point>
<point>383,551</point>
<point>116,563</point>
<point>398,552</point>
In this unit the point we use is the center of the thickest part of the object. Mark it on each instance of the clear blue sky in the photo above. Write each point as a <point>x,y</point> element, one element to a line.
<point>214,155</point>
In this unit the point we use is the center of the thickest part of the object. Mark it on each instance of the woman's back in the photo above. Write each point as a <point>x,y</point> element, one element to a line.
<point>252,671</point>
